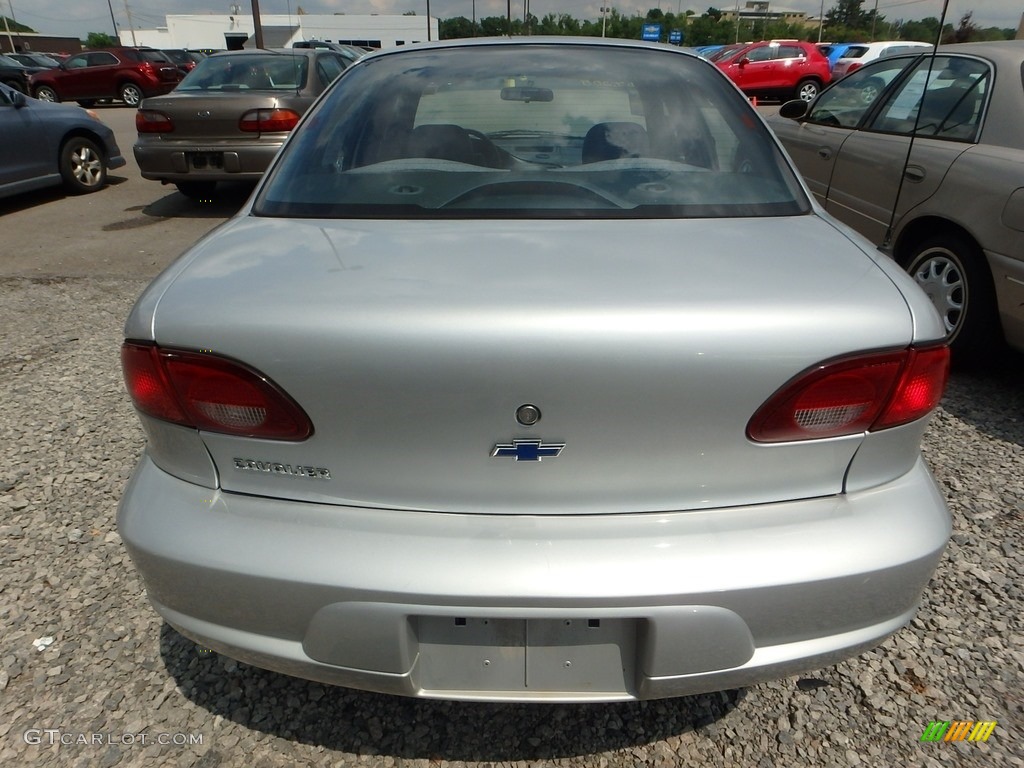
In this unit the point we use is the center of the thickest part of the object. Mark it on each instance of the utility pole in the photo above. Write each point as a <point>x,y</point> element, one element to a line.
<point>113,21</point>
<point>128,13</point>
<point>256,22</point>
<point>428,21</point>
<point>604,11</point>
<point>10,39</point>
<point>7,25</point>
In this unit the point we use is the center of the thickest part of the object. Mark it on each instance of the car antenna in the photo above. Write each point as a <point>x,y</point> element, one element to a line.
<point>887,241</point>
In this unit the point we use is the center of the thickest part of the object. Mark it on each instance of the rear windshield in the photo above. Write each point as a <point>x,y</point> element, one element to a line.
<point>855,51</point>
<point>549,131</point>
<point>245,72</point>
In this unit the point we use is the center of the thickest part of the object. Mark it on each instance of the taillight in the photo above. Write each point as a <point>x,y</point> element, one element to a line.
<point>855,394</point>
<point>854,65</point>
<point>211,393</point>
<point>151,121</point>
<point>268,120</point>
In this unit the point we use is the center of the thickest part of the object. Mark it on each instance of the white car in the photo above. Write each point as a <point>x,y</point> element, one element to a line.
<point>857,56</point>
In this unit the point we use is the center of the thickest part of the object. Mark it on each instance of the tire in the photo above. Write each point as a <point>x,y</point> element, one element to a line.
<point>201,191</point>
<point>807,90</point>
<point>953,272</point>
<point>86,103</point>
<point>82,166</point>
<point>16,86</point>
<point>130,94</point>
<point>46,93</point>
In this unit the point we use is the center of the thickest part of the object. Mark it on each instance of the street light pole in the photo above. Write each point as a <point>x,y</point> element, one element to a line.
<point>256,22</point>
<point>604,11</point>
<point>113,21</point>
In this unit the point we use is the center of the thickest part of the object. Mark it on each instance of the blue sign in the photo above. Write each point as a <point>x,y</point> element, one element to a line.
<point>675,36</point>
<point>651,32</point>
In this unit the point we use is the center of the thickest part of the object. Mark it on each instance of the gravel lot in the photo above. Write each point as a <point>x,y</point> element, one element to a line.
<point>112,685</point>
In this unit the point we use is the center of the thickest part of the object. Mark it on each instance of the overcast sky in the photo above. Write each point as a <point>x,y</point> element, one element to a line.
<point>79,17</point>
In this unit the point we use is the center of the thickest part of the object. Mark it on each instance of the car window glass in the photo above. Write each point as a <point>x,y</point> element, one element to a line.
<point>855,51</point>
<point>328,68</point>
<point>77,62</point>
<point>846,102</point>
<point>4,98</point>
<point>243,72</point>
<point>944,100</point>
<point>762,53</point>
<point>580,133</point>
<point>790,52</point>
<point>101,59</point>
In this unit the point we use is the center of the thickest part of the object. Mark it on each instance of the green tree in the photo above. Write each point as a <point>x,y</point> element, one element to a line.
<point>450,29</point>
<point>924,30</point>
<point>848,13</point>
<point>101,40</point>
<point>965,32</point>
<point>13,26</point>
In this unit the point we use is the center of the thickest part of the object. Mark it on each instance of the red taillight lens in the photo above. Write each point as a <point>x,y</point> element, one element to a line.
<point>268,120</point>
<point>151,121</point>
<point>851,395</point>
<point>920,387</point>
<point>210,393</point>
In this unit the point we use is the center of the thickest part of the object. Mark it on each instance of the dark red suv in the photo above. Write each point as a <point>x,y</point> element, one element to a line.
<point>128,74</point>
<point>780,68</point>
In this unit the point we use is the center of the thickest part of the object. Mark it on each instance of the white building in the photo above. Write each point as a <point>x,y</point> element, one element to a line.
<point>202,31</point>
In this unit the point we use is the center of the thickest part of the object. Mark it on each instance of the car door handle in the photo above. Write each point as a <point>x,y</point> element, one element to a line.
<point>824,153</point>
<point>914,173</point>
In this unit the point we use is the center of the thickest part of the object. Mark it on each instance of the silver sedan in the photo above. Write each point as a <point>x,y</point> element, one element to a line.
<point>532,372</point>
<point>926,158</point>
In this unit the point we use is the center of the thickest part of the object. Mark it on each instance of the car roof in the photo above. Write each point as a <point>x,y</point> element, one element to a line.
<point>606,42</point>
<point>1004,52</point>
<point>282,51</point>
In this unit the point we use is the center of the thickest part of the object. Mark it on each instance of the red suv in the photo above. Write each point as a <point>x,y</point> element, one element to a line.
<point>128,74</point>
<point>780,69</point>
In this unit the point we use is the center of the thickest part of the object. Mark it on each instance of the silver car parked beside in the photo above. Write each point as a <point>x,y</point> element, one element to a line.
<point>532,372</point>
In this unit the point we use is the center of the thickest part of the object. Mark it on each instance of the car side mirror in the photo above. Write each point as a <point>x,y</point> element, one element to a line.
<point>18,99</point>
<point>743,62</point>
<point>794,110</point>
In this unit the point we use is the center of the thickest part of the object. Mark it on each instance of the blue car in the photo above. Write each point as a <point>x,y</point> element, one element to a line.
<point>48,144</point>
<point>833,52</point>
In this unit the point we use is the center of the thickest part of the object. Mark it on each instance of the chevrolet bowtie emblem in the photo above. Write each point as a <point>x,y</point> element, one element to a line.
<point>527,450</point>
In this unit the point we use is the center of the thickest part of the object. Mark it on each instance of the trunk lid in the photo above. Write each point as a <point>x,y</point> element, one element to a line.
<point>645,345</point>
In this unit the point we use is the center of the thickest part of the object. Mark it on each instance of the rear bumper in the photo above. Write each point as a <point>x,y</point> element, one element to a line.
<point>170,161</point>
<point>573,608</point>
